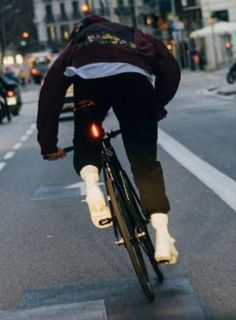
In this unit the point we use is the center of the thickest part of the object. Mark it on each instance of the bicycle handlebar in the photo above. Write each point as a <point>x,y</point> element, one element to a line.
<point>113,134</point>
<point>68,149</point>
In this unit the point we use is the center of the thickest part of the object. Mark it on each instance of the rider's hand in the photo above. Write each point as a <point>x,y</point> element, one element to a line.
<point>60,154</point>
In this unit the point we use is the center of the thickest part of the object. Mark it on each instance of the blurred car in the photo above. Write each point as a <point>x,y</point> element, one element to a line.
<point>38,71</point>
<point>69,100</point>
<point>39,64</point>
<point>10,74</point>
<point>12,94</point>
<point>4,110</point>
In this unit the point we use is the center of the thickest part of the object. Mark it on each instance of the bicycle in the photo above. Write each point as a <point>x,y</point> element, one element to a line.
<point>129,222</point>
<point>231,75</point>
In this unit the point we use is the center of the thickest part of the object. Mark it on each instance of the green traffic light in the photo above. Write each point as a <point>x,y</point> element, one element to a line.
<point>23,43</point>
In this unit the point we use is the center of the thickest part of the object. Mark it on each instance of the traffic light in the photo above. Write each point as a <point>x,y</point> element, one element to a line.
<point>24,38</point>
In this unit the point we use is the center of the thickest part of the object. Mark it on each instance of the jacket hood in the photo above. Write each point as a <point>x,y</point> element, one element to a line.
<point>95,18</point>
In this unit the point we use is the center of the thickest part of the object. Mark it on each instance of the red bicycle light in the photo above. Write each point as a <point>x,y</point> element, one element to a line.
<point>10,93</point>
<point>96,131</point>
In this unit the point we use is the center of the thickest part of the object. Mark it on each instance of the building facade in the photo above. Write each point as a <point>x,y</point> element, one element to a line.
<point>220,48</point>
<point>55,19</point>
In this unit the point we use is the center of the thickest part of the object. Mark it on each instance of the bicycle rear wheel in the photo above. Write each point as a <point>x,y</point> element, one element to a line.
<point>127,232</point>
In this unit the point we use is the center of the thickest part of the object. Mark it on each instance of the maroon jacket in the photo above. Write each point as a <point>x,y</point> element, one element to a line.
<point>98,40</point>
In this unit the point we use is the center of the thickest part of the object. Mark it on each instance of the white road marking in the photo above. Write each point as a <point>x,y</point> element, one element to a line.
<point>17,146</point>
<point>29,132</point>
<point>24,138</point>
<point>81,186</point>
<point>217,181</point>
<point>9,155</point>
<point>86,310</point>
<point>2,165</point>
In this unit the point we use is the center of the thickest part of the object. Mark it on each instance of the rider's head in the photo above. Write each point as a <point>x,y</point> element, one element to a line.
<point>87,21</point>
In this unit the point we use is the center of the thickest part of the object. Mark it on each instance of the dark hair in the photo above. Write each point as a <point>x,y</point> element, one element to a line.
<point>85,22</point>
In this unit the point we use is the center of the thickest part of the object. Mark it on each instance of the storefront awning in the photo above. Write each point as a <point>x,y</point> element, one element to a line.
<point>219,28</point>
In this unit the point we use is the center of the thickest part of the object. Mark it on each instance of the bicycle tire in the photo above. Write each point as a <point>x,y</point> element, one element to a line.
<point>231,77</point>
<point>125,228</point>
<point>145,242</point>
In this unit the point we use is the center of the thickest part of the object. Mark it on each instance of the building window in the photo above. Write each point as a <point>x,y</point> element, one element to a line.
<point>130,3</point>
<point>120,3</point>
<point>192,3</point>
<point>63,10</point>
<point>222,15</point>
<point>49,13</point>
<point>65,32</point>
<point>75,8</point>
<point>52,35</point>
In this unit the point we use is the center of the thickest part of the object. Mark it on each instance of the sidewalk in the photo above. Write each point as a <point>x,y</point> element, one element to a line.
<point>216,82</point>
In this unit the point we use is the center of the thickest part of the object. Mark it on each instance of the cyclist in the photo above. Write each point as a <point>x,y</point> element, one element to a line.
<point>112,65</point>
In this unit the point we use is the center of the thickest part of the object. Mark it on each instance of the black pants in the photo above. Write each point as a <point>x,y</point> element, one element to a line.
<point>131,96</point>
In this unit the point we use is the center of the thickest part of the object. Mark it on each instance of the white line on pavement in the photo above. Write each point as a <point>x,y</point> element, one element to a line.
<point>218,182</point>
<point>9,155</point>
<point>29,132</point>
<point>2,165</point>
<point>17,146</point>
<point>24,138</point>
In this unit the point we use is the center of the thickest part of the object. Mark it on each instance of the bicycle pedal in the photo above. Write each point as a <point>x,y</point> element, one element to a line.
<point>164,261</point>
<point>140,235</point>
<point>119,242</point>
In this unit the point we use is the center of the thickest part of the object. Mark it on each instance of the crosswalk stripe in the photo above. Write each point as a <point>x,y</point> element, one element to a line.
<point>88,310</point>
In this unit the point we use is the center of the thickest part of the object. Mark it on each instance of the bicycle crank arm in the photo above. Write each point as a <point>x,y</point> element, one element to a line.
<point>140,235</point>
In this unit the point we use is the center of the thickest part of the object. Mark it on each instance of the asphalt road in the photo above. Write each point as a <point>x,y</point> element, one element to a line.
<point>47,240</point>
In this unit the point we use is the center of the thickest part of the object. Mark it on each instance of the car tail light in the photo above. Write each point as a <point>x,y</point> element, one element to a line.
<point>34,71</point>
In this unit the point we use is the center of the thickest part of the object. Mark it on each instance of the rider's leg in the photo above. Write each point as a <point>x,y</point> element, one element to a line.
<point>87,160</point>
<point>139,132</point>
<point>165,248</point>
<point>100,213</point>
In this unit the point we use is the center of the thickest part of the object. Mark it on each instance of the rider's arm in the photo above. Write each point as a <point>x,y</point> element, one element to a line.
<point>166,70</point>
<point>51,100</point>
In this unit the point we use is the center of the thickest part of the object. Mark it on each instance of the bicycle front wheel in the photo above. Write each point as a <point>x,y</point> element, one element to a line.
<point>127,232</point>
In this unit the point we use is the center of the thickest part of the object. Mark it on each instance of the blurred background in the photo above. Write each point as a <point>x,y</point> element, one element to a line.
<point>200,33</point>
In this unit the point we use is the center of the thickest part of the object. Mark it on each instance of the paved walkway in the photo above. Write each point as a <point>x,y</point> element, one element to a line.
<point>217,84</point>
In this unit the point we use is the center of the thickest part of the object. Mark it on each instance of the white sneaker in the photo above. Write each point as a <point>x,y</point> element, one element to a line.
<point>99,211</point>
<point>165,251</point>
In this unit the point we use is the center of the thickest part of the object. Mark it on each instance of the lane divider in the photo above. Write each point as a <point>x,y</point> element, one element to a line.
<point>24,138</point>
<point>10,154</point>
<point>222,185</point>
<point>2,165</point>
<point>17,146</point>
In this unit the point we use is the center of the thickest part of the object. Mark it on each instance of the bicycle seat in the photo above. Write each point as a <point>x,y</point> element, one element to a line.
<point>84,104</point>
